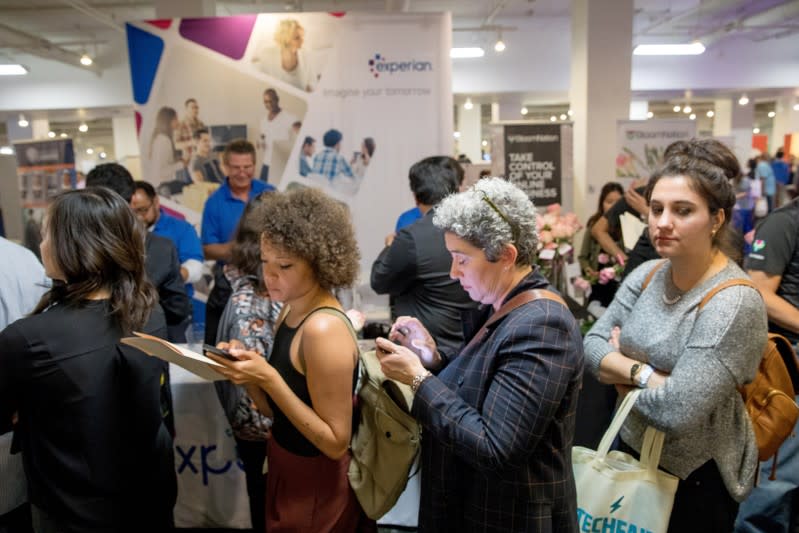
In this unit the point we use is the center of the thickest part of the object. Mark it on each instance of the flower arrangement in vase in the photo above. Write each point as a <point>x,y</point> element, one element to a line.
<point>556,231</point>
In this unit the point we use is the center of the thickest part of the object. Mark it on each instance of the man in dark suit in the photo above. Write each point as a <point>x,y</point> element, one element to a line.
<point>414,266</point>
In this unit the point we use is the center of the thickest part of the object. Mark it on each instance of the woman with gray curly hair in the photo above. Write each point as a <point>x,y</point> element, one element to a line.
<point>498,416</point>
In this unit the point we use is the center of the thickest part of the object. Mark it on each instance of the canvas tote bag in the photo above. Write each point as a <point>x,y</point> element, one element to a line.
<point>615,492</point>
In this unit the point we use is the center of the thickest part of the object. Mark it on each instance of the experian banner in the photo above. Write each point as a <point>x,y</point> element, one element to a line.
<point>290,84</point>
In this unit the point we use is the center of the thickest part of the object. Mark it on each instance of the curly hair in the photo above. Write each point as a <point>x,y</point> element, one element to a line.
<point>99,244</point>
<point>311,225</point>
<point>489,215</point>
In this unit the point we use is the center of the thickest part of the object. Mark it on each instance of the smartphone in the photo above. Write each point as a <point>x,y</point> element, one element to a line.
<point>221,353</point>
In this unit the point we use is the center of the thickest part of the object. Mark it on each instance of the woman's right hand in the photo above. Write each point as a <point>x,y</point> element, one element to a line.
<point>250,368</point>
<point>409,332</point>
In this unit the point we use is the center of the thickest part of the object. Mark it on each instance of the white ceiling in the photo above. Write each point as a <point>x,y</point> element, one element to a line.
<point>752,45</point>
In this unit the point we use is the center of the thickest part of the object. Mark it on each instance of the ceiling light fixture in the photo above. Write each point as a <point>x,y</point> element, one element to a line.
<point>570,112</point>
<point>85,60</point>
<point>22,122</point>
<point>468,105</point>
<point>456,134</point>
<point>499,46</point>
<point>693,49</point>
<point>553,118</point>
<point>103,155</point>
<point>64,135</point>
<point>676,109</point>
<point>649,114</point>
<point>51,134</point>
<point>772,114</point>
<point>524,110</point>
<point>692,116</point>
<point>563,116</point>
<point>484,143</point>
<point>796,107</point>
<point>83,128</point>
<point>6,150</point>
<point>466,53</point>
<point>710,114</point>
<point>13,70</point>
<point>755,130</point>
<point>743,100</point>
<point>687,109</point>
<point>89,151</point>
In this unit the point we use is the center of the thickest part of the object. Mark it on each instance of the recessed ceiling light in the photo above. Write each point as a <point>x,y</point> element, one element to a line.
<point>64,135</point>
<point>710,114</point>
<point>484,142</point>
<point>743,100</point>
<point>524,110</point>
<point>13,70</point>
<point>22,122</point>
<point>772,114</point>
<point>692,116</point>
<point>692,49</point>
<point>676,109</point>
<point>499,46</point>
<point>89,151</point>
<point>6,150</point>
<point>466,53</point>
<point>83,128</point>
<point>85,60</point>
<point>457,135</point>
<point>51,134</point>
<point>467,105</point>
<point>103,155</point>
<point>796,107</point>
<point>649,114</point>
<point>687,109</point>
<point>570,112</point>
<point>553,118</point>
<point>755,130</point>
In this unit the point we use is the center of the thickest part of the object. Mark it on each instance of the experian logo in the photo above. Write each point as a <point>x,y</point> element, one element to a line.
<point>379,64</point>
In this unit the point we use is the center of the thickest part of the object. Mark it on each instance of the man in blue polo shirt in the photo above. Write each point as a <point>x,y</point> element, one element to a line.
<point>146,205</point>
<point>221,215</point>
<point>224,207</point>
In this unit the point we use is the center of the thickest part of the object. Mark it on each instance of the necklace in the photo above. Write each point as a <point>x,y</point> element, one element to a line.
<point>670,301</point>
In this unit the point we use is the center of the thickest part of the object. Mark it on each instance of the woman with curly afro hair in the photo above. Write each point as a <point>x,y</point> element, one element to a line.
<point>308,249</point>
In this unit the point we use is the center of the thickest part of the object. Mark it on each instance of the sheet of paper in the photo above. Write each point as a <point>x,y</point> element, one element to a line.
<point>194,362</point>
<point>631,229</point>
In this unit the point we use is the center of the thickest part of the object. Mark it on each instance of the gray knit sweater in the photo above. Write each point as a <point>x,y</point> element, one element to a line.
<point>708,354</point>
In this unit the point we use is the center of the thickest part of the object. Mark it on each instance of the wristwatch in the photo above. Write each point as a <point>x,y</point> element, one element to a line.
<point>633,371</point>
<point>418,379</point>
<point>642,378</point>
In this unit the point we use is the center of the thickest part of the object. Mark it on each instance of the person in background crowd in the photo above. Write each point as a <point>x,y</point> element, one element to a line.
<point>498,419</point>
<point>201,155</point>
<point>773,265</point>
<point>410,216</point>
<point>306,155</point>
<point>22,284</point>
<point>360,160</point>
<point>764,173</point>
<point>329,162</point>
<point>221,215</point>
<point>161,256</point>
<point>414,266</point>
<point>275,126</point>
<point>690,363</point>
<point>589,254</point>
<point>743,212</point>
<point>782,175</point>
<point>609,224</point>
<point>288,62</point>
<point>249,317</point>
<point>97,454</point>
<point>164,165</point>
<point>308,249</point>
<point>184,134</point>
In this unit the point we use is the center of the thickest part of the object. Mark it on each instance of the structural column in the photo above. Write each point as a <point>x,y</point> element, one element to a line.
<point>735,121</point>
<point>786,120</point>
<point>469,126</point>
<point>602,34</point>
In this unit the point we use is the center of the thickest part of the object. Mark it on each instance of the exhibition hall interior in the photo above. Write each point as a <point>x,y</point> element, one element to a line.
<point>578,104</point>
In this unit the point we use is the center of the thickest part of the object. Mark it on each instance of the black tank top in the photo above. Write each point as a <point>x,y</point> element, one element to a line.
<point>283,431</point>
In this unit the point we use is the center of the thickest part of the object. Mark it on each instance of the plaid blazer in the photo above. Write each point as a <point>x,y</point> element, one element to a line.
<point>498,425</point>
